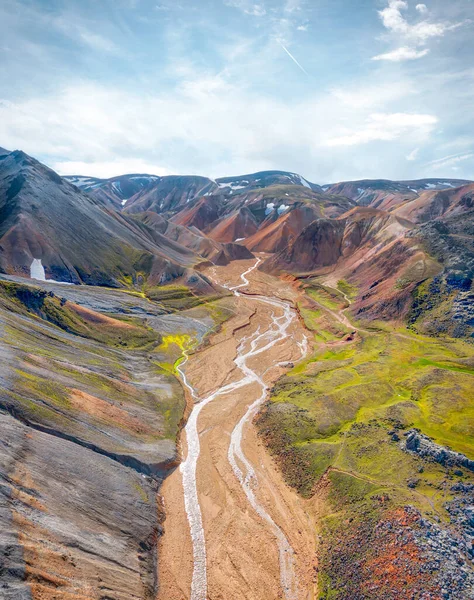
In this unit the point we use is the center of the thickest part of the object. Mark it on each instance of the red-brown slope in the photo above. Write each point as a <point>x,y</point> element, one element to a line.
<point>200,214</point>
<point>276,233</point>
<point>237,226</point>
<point>432,205</point>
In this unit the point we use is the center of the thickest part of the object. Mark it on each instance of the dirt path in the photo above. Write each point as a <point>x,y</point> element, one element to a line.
<point>253,537</point>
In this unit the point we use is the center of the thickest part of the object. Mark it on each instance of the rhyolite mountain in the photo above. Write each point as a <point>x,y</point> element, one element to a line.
<point>115,191</point>
<point>157,229</point>
<point>77,238</point>
<point>91,407</point>
<point>383,193</point>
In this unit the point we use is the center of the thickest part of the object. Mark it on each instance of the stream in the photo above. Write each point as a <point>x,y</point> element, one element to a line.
<point>249,347</point>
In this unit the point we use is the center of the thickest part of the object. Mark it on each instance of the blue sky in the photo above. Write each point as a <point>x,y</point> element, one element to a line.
<point>331,89</point>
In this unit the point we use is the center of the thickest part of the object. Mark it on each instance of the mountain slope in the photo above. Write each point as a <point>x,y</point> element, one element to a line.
<point>44,217</point>
<point>170,194</point>
<point>385,194</point>
<point>431,205</point>
<point>113,192</point>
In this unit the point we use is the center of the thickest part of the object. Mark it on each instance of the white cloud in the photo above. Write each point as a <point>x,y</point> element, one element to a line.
<point>449,161</point>
<point>421,8</point>
<point>248,7</point>
<point>416,34</point>
<point>401,54</point>
<point>78,31</point>
<point>110,168</point>
<point>292,6</point>
<point>413,154</point>
<point>100,130</point>
<point>385,127</point>
<point>96,41</point>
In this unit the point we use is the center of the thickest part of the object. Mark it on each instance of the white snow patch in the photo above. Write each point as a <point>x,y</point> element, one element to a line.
<point>145,178</point>
<point>80,182</point>
<point>37,272</point>
<point>124,202</point>
<point>282,208</point>
<point>270,206</point>
<point>117,187</point>
<point>303,181</point>
<point>239,239</point>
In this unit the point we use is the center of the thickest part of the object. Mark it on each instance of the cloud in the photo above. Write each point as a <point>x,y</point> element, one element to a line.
<point>210,125</point>
<point>421,8</point>
<point>248,7</point>
<point>110,168</point>
<point>78,30</point>
<point>413,154</point>
<point>449,161</point>
<point>96,41</point>
<point>401,54</point>
<point>385,127</point>
<point>416,34</point>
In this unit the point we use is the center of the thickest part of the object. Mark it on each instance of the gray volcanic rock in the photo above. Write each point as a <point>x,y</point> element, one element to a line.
<point>422,445</point>
<point>74,518</point>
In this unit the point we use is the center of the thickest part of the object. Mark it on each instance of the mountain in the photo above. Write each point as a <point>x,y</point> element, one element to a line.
<point>113,192</point>
<point>263,179</point>
<point>432,205</point>
<point>174,193</point>
<point>246,215</point>
<point>44,217</point>
<point>194,240</point>
<point>384,194</point>
<point>170,194</point>
<point>237,226</point>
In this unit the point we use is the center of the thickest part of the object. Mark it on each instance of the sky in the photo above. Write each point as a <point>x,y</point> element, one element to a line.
<point>331,89</point>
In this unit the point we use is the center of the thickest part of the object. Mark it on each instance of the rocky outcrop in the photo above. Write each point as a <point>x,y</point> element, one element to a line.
<point>424,446</point>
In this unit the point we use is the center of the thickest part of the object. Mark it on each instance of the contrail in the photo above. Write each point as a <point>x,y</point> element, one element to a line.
<point>293,58</point>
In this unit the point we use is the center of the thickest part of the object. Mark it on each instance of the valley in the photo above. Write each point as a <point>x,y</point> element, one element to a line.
<point>251,387</point>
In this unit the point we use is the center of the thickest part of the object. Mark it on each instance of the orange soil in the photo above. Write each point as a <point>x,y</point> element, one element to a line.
<point>242,554</point>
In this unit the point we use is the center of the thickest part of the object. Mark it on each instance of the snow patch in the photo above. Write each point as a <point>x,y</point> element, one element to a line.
<point>282,208</point>
<point>117,187</point>
<point>268,209</point>
<point>239,239</point>
<point>145,178</point>
<point>37,272</point>
<point>303,181</point>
